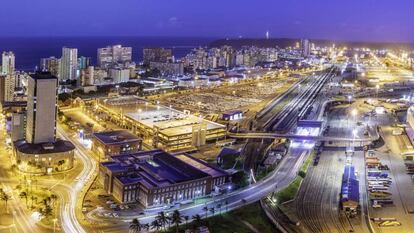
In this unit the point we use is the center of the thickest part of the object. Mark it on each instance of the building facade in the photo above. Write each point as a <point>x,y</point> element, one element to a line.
<point>109,143</point>
<point>156,178</point>
<point>157,55</point>
<point>113,55</point>
<point>69,64</point>
<point>8,63</point>
<point>41,108</point>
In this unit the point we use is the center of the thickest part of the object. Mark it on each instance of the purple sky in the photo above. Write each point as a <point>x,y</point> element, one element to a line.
<point>378,20</point>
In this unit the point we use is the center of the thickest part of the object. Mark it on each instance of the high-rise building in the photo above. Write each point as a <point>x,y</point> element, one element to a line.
<point>112,55</point>
<point>69,64</point>
<point>41,108</point>
<point>156,55</point>
<point>50,64</point>
<point>10,87</point>
<point>84,62</point>
<point>18,126</point>
<point>305,46</point>
<point>8,63</point>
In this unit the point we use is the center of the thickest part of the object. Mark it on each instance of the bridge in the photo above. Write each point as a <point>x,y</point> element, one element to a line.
<point>265,135</point>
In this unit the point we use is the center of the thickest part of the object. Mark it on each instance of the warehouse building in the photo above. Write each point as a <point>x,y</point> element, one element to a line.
<point>157,178</point>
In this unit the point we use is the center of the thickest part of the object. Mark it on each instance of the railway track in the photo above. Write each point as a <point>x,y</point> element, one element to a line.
<point>317,202</point>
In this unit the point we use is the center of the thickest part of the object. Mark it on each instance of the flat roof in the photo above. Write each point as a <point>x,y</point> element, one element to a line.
<point>158,168</point>
<point>59,146</point>
<point>43,75</point>
<point>169,121</point>
<point>201,165</point>
<point>116,137</point>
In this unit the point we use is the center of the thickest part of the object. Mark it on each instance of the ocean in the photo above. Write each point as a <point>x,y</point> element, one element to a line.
<point>29,51</point>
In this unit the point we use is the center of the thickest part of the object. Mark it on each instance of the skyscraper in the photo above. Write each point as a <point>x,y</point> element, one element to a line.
<point>50,64</point>
<point>10,87</point>
<point>156,55</point>
<point>69,64</point>
<point>41,108</point>
<point>305,46</point>
<point>115,54</point>
<point>8,63</point>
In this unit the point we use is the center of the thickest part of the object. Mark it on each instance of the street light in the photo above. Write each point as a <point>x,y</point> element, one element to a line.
<point>54,225</point>
<point>349,99</point>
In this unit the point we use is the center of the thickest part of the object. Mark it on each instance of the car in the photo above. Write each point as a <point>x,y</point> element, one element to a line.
<point>389,223</point>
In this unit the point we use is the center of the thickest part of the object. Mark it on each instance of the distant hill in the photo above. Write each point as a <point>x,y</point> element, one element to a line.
<point>286,42</point>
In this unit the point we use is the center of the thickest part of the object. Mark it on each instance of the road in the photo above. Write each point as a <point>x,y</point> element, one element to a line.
<point>276,181</point>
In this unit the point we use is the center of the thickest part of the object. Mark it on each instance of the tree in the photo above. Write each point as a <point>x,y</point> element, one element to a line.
<point>156,225</point>
<point>212,210</point>
<point>162,219</point>
<point>135,226</point>
<point>5,197</point>
<point>23,195</point>
<point>205,208</point>
<point>219,208</point>
<point>197,220</point>
<point>47,211</point>
<point>176,219</point>
<point>146,226</point>
<point>186,218</point>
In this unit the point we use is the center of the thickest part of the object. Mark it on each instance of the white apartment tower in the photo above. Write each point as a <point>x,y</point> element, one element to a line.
<point>113,55</point>
<point>8,63</point>
<point>41,108</point>
<point>69,64</point>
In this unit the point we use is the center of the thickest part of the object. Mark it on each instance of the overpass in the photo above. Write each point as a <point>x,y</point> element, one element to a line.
<point>265,135</point>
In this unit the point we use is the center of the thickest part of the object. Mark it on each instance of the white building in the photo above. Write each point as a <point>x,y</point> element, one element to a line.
<point>69,64</point>
<point>113,55</point>
<point>9,87</point>
<point>8,63</point>
<point>120,75</point>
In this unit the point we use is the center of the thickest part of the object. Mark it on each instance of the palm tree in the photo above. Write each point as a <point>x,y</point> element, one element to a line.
<point>219,208</point>
<point>197,220</point>
<point>23,195</point>
<point>135,226</point>
<point>205,208</point>
<point>176,219</point>
<point>33,198</point>
<point>212,210</point>
<point>186,218</point>
<point>156,225</point>
<point>162,219</point>
<point>146,226</point>
<point>5,197</point>
<point>47,211</point>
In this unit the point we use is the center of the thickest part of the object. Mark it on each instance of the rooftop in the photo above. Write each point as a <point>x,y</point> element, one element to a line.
<point>116,137</point>
<point>59,146</point>
<point>43,75</point>
<point>158,168</point>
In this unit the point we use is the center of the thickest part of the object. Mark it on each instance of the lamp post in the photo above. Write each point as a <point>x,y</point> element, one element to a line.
<point>54,225</point>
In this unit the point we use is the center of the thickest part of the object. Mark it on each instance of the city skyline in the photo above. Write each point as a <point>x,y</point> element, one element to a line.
<point>354,21</point>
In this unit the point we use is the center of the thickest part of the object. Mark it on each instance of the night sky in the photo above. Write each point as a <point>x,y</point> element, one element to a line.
<point>366,20</point>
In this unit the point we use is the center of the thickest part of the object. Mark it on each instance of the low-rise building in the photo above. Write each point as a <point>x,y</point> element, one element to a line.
<point>44,158</point>
<point>110,143</point>
<point>155,178</point>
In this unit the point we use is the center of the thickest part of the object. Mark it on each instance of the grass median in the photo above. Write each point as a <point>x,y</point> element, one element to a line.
<point>290,191</point>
